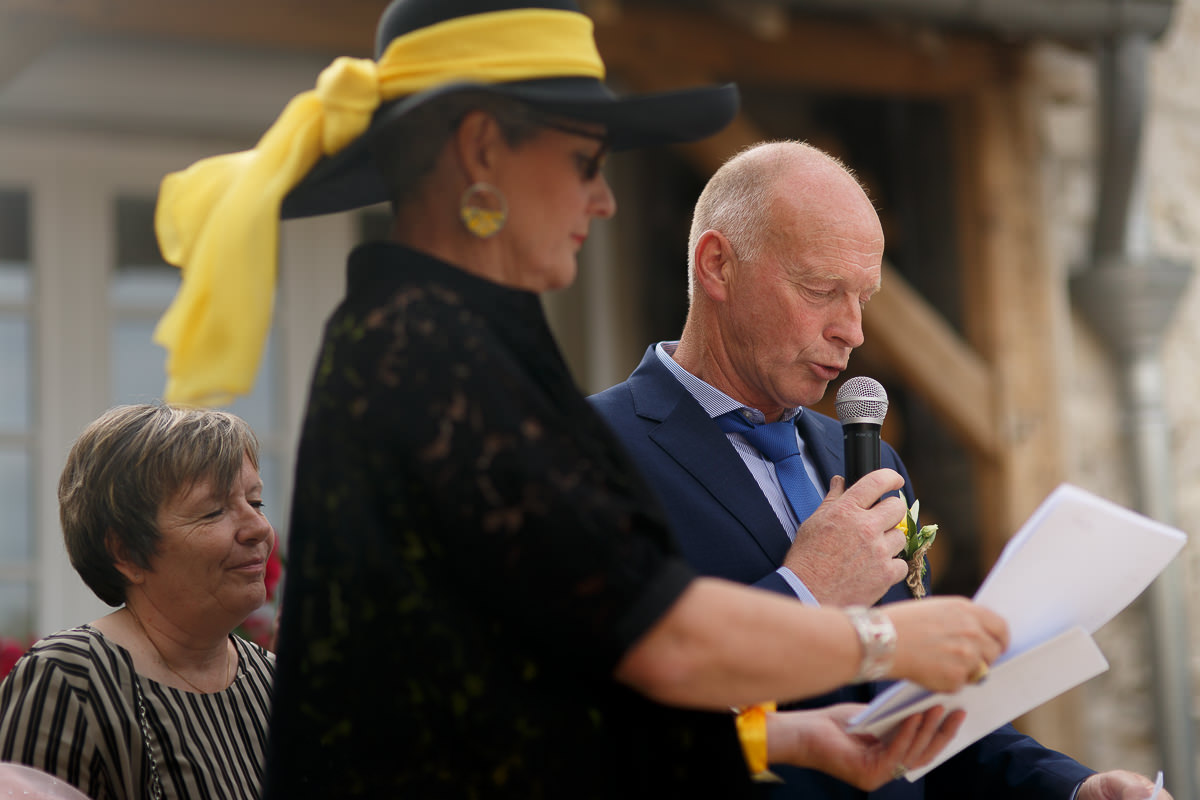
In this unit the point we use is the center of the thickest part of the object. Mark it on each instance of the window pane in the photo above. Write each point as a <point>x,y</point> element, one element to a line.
<point>136,243</point>
<point>15,289</point>
<point>275,505</point>
<point>258,407</point>
<point>14,281</point>
<point>141,288</point>
<point>16,534</point>
<point>139,291</point>
<point>14,246</point>
<point>14,372</point>
<point>16,539</point>
<point>16,610</point>
<point>138,374</point>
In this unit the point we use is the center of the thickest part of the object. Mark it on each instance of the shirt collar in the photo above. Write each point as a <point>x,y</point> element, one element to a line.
<point>712,400</point>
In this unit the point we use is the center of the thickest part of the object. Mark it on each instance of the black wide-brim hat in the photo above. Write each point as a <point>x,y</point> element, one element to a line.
<point>350,180</point>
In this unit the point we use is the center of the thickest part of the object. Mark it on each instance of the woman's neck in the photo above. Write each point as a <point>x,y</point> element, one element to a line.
<point>169,653</point>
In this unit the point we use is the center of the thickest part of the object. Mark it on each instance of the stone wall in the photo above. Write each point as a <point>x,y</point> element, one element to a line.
<point>1119,705</point>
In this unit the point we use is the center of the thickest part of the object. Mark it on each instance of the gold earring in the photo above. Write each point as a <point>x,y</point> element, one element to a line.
<point>476,212</point>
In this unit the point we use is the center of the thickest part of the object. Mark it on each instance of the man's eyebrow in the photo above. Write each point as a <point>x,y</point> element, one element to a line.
<point>840,279</point>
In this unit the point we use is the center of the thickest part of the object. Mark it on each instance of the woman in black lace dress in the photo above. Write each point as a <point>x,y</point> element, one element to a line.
<point>483,599</point>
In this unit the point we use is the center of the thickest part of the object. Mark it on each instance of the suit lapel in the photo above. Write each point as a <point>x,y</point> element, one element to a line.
<point>692,439</point>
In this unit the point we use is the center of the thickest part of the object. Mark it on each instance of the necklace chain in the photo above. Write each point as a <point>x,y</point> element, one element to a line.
<point>167,664</point>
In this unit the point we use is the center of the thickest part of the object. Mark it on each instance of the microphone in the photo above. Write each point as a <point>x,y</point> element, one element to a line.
<point>861,406</point>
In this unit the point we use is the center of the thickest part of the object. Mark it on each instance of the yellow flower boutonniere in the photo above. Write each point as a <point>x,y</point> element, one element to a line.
<point>917,543</point>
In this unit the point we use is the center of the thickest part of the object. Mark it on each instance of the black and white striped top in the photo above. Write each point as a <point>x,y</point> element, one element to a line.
<point>69,707</point>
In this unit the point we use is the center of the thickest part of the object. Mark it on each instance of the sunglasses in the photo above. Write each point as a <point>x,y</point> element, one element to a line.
<point>591,167</point>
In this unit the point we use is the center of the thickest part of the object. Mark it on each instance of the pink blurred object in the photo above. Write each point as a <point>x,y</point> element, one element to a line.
<point>18,780</point>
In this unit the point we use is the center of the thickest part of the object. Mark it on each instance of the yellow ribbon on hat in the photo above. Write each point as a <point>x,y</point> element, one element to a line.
<point>218,220</point>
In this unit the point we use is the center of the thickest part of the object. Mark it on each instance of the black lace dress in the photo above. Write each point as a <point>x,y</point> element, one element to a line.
<point>470,554</point>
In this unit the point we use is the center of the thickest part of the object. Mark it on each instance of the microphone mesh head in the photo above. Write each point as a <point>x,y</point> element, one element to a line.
<point>861,399</point>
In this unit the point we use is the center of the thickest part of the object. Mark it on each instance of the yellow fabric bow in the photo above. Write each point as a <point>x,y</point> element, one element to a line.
<point>218,220</point>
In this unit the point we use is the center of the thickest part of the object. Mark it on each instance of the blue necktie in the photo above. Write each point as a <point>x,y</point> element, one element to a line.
<point>777,441</point>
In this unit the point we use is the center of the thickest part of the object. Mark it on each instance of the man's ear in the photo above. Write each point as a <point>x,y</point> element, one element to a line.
<point>715,261</point>
<point>120,559</point>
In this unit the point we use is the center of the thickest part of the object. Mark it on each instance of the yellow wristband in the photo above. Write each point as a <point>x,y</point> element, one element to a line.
<point>752,733</point>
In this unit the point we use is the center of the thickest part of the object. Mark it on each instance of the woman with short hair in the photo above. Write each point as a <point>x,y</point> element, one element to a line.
<point>162,515</point>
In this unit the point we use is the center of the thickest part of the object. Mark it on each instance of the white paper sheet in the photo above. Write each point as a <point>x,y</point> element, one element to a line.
<point>1078,560</point>
<point>1076,563</point>
<point>1012,688</point>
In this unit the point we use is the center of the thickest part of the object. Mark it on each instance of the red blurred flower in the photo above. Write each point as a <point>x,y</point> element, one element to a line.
<point>259,627</point>
<point>259,630</point>
<point>10,651</point>
<point>274,571</point>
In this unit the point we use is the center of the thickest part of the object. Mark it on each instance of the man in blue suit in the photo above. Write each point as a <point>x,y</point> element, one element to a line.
<point>785,250</point>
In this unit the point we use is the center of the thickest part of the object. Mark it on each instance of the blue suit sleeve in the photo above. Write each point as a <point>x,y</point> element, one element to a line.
<point>1003,765</point>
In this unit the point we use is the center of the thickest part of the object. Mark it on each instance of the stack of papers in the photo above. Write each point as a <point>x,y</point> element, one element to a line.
<point>1075,563</point>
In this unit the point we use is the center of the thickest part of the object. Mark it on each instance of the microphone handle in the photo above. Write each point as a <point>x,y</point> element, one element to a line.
<point>860,443</point>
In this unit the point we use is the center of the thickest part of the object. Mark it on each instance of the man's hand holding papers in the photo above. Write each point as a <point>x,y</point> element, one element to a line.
<point>1121,784</point>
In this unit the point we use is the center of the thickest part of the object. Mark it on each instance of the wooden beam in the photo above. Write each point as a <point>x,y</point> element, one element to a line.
<point>825,55</point>
<point>23,39</point>
<point>345,27</point>
<point>934,360</point>
<point>829,56</point>
<point>1014,301</point>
